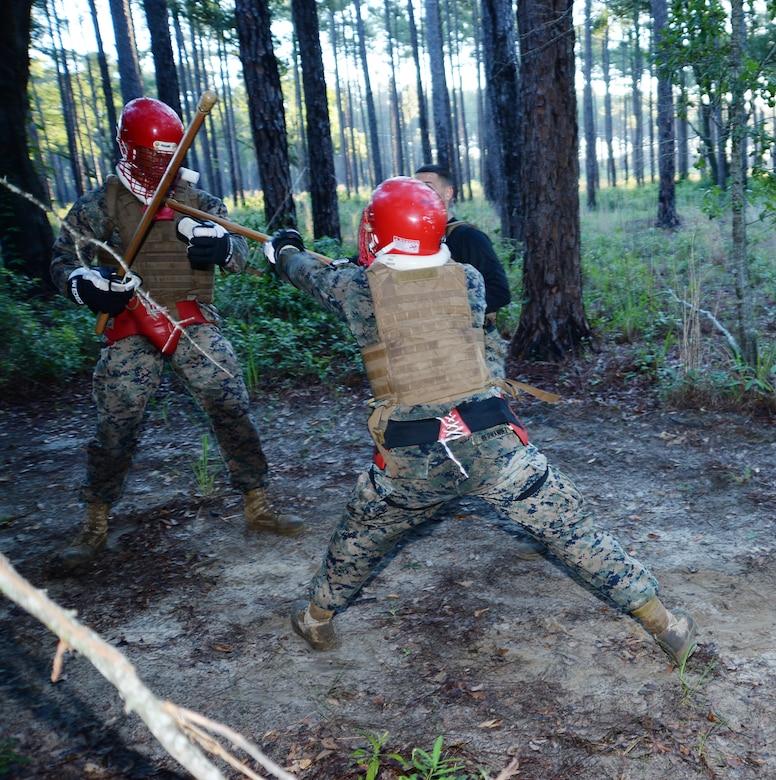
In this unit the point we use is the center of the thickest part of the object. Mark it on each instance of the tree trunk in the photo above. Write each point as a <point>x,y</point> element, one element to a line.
<point>267,115</point>
<point>126,50</point>
<point>425,139</point>
<point>455,135</point>
<point>552,320</point>
<point>45,162</point>
<point>683,142</point>
<point>158,20</point>
<point>440,99</point>
<point>374,136</point>
<point>611,166</point>
<point>301,157</point>
<point>107,88</point>
<point>506,110</point>
<point>638,118</point>
<point>323,179</point>
<point>397,136</point>
<point>354,148</point>
<point>651,123</point>
<point>483,121</point>
<point>591,159</point>
<point>462,132</point>
<point>666,208</point>
<point>188,87</point>
<point>90,135</point>
<point>723,134</point>
<point>226,111</point>
<point>26,236</point>
<point>340,99</point>
<point>67,99</point>
<point>707,142</point>
<point>746,322</point>
<point>209,162</point>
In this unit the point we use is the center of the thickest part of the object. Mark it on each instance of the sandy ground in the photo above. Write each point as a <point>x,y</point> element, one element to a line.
<point>507,660</point>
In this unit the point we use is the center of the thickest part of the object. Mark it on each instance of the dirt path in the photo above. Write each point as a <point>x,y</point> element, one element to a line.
<point>454,636</point>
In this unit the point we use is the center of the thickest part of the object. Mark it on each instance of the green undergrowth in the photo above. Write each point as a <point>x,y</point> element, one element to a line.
<point>667,299</point>
<point>661,303</point>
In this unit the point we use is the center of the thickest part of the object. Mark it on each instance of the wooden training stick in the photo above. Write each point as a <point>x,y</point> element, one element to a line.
<point>232,227</point>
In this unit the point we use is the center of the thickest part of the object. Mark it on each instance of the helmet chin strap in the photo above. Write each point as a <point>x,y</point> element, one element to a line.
<point>410,262</point>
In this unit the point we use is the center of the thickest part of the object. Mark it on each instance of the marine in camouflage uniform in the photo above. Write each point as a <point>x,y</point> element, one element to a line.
<point>406,485</point>
<point>177,270</point>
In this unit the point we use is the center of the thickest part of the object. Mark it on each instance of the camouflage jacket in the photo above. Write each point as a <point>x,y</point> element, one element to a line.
<point>88,221</point>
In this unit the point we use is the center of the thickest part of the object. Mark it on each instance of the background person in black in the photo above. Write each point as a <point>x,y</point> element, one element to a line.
<point>467,243</point>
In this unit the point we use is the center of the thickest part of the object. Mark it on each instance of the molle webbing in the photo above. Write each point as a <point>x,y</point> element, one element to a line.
<point>429,351</point>
<point>161,262</point>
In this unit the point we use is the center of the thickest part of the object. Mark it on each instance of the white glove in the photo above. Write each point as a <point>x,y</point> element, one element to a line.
<point>209,244</point>
<point>288,237</point>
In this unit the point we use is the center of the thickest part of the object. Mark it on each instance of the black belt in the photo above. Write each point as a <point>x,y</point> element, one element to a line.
<point>478,415</point>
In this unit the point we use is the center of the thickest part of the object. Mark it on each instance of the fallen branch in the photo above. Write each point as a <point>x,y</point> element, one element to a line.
<point>714,321</point>
<point>174,727</point>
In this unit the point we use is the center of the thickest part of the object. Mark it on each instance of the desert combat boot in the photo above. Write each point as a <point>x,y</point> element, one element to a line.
<point>313,624</point>
<point>91,539</point>
<point>674,631</point>
<point>260,515</point>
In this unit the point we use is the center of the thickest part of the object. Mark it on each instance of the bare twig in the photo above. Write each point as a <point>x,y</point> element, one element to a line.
<point>714,321</point>
<point>171,725</point>
<point>191,721</point>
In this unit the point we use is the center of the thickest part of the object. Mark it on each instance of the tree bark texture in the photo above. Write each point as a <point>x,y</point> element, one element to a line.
<point>26,236</point>
<point>267,114</point>
<point>425,139</point>
<point>503,103</point>
<point>552,319</point>
<point>323,178</point>
<point>126,51</point>
<point>666,139</point>
<point>440,99</point>
<point>746,320</point>
<point>167,89</point>
<point>374,135</point>
<point>591,158</point>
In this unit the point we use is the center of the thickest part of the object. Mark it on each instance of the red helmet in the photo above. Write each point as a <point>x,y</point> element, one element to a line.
<point>406,218</point>
<point>148,134</point>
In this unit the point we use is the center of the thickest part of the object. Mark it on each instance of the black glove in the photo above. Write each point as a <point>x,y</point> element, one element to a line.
<point>209,244</point>
<point>288,237</point>
<point>102,289</point>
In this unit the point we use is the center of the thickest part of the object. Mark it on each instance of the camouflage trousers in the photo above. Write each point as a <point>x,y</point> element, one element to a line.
<point>494,465</point>
<point>128,373</point>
